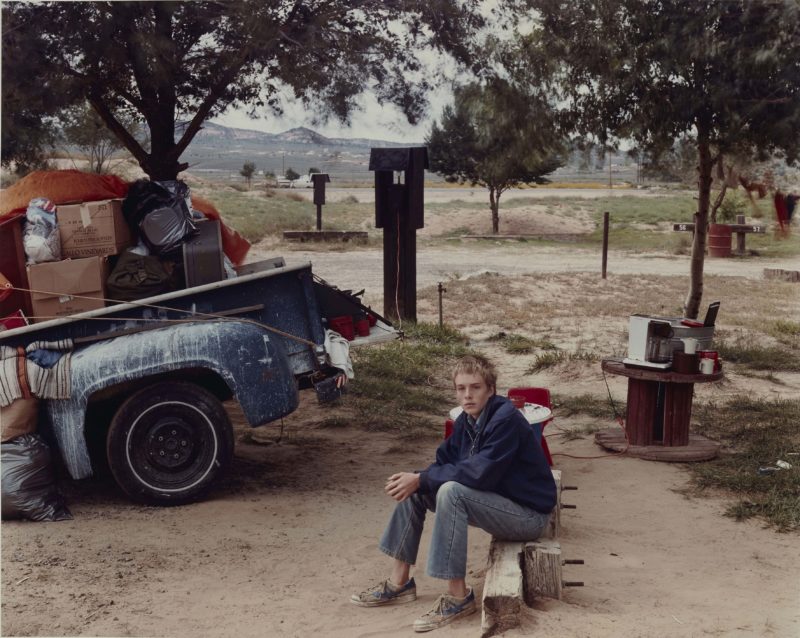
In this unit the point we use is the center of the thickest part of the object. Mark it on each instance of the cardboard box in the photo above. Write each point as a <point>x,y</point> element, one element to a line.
<point>20,417</point>
<point>63,288</point>
<point>93,228</point>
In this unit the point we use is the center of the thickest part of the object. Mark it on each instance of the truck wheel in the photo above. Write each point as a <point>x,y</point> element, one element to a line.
<point>168,443</point>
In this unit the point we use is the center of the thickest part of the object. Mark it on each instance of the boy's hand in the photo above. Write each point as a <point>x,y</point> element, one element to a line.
<point>402,485</point>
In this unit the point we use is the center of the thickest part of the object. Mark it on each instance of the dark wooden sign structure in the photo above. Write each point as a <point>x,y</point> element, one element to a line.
<point>399,211</point>
<point>319,180</point>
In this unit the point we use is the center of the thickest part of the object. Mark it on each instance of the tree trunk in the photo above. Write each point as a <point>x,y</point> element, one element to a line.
<point>691,307</point>
<point>494,204</point>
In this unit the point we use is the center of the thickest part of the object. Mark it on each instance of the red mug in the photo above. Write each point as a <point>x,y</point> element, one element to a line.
<point>710,354</point>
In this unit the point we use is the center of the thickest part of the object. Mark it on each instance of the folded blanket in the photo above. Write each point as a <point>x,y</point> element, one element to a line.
<point>22,378</point>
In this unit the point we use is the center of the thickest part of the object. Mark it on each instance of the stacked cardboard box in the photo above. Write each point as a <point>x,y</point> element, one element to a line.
<point>93,228</point>
<point>63,288</point>
<point>90,232</point>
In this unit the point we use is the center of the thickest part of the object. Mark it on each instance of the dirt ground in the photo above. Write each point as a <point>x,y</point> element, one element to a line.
<point>292,531</point>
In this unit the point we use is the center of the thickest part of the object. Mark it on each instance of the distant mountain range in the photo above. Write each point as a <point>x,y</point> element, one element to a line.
<point>300,135</point>
<point>220,152</point>
<point>224,150</point>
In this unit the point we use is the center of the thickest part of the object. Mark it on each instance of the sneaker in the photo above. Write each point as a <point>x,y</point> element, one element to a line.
<point>446,610</point>
<point>384,593</point>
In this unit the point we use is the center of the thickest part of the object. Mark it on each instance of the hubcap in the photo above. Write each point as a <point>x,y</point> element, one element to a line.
<point>170,445</point>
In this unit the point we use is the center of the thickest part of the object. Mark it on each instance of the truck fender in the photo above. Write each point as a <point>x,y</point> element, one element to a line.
<point>242,353</point>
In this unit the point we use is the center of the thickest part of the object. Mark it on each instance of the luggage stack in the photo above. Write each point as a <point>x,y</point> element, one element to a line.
<point>71,258</point>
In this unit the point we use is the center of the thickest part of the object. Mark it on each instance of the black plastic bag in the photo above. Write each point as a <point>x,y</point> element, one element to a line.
<point>159,213</point>
<point>28,481</point>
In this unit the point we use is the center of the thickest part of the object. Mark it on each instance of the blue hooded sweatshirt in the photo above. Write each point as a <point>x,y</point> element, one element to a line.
<point>507,459</point>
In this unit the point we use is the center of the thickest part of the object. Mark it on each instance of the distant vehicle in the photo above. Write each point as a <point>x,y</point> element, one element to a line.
<point>304,181</point>
<point>283,182</point>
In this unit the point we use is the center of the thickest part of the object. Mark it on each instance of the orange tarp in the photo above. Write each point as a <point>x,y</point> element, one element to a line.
<point>63,187</point>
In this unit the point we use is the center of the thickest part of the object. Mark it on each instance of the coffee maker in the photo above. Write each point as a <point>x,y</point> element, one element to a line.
<point>649,343</point>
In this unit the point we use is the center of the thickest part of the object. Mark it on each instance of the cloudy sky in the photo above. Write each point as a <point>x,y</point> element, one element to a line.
<point>372,120</point>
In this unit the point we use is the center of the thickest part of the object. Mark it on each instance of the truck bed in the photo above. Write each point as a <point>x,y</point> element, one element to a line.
<point>283,299</point>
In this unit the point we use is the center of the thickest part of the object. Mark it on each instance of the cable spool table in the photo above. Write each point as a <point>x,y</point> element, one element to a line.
<point>657,418</point>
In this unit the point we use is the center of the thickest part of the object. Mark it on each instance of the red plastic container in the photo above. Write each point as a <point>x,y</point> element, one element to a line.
<point>518,400</point>
<point>343,325</point>
<point>711,354</point>
<point>362,327</point>
<point>14,320</point>
<point>372,319</point>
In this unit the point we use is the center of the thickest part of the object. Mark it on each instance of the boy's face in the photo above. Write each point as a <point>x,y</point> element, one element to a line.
<point>472,393</point>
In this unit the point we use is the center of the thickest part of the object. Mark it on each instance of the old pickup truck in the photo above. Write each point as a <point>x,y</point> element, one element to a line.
<point>149,377</point>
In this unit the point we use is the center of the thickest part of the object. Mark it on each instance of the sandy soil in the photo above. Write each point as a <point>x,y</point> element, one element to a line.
<point>282,542</point>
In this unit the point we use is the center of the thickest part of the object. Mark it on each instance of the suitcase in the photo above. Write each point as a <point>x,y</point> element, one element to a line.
<point>202,255</point>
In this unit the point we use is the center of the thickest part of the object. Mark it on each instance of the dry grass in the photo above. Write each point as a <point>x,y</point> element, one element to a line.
<point>529,307</point>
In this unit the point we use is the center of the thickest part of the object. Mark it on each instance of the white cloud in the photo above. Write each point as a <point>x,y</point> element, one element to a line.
<point>371,120</point>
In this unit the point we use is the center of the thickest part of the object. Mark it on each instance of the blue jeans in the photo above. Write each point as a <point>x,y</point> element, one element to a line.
<point>456,507</point>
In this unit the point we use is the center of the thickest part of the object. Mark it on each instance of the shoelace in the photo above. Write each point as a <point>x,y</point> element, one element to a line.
<point>439,607</point>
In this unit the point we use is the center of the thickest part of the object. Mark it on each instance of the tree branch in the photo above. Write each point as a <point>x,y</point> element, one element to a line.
<point>114,125</point>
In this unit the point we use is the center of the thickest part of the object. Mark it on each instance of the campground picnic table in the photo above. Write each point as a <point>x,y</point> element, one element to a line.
<point>740,229</point>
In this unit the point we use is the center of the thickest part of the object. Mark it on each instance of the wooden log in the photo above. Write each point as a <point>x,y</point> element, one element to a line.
<point>781,274</point>
<point>541,571</point>
<point>502,588</point>
<point>553,528</point>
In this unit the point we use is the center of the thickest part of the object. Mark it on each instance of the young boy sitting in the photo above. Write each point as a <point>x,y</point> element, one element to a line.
<point>491,473</point>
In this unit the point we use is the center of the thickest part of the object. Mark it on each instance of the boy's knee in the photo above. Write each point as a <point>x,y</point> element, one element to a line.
<point>449,491</point>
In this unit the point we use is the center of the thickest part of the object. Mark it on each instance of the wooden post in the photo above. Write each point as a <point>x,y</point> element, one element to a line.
<point>541,571</point>
<point>740,246</point>
<point>519,572</point>
<point>502,588</point>
<point>605,242</point>
<point>319,180</point>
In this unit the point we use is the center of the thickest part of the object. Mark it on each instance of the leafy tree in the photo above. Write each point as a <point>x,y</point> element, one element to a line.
<point>166,62</point>
<point>85,130</point>
<point>248,170</point>
<point>291,174</point>
<point>675,164</point>
<point>494,136</point>
<point>313,170</point>
<point>724,74</point>
<point>28,114</point>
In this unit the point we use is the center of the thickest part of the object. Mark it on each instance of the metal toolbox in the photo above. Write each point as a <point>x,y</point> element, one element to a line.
<point>202,255</point>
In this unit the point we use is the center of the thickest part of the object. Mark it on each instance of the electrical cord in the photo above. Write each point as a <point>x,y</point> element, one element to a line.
<point>621,423</point>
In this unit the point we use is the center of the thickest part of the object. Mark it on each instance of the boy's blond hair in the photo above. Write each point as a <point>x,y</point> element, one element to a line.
<point>477,364</point>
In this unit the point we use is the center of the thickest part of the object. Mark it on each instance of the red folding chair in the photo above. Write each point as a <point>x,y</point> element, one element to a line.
<point>540,396</point>
<point>448,428</point>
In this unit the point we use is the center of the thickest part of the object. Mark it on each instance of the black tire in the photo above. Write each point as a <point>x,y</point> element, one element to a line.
<point>168,443</point>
